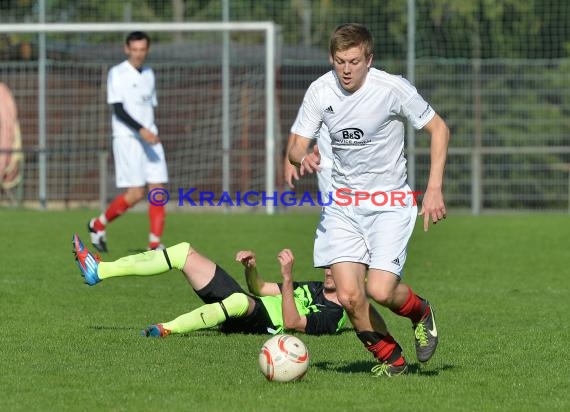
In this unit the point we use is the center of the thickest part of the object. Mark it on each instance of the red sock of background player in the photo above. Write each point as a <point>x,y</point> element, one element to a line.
<point>413,308</point>
<point>117,207</point>
<point>383,347</point>
<point>157,216</point>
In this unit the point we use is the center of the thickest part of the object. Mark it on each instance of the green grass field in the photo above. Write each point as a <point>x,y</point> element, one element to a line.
<point>500,286</point>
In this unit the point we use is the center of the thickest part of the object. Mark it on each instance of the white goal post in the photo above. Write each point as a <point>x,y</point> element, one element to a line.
<point>267,29</point>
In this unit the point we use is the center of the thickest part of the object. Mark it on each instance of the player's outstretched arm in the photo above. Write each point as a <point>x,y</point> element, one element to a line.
<point>289,170</point>
<point>433,205</point>
<point>255,283</point>
<point>292,319</point>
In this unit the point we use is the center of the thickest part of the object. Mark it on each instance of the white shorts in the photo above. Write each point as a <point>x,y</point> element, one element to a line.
<point>138,163</point>
<point>377,237</point>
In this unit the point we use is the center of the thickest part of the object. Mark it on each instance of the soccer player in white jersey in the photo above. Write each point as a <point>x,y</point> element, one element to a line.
<point>138,153</point>
<point>365,110</point>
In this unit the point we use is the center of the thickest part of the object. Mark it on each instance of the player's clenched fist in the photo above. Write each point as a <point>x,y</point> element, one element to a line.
<point>246,258</point>
<point>286,259</point>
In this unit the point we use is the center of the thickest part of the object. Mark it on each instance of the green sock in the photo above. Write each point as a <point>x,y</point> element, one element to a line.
<point>152,262</point>
<point>209,315</point>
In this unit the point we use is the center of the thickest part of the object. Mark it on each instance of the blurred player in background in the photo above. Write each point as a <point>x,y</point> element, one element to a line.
<point>309,307</point>
<point>138,154</point>
<point>365,111</point>
<point>11,155</point>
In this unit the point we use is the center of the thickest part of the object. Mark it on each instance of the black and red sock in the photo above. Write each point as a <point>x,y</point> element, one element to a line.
<point>383,347</point>
<point>415,308</point>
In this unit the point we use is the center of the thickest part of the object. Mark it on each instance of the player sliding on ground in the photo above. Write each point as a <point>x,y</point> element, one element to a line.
<point>309,307</point>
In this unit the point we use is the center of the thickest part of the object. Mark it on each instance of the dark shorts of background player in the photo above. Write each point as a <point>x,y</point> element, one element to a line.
<point>223,285</point>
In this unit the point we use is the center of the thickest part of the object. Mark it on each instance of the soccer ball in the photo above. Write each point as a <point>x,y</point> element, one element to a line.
<point>284,358</point>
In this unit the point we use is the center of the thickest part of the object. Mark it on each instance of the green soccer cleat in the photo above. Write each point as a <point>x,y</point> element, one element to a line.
<point>425,333</point>
<point>388,370</point>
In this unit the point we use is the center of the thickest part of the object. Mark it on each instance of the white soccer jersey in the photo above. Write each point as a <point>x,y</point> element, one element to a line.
<point>366,128</point>
<point>136,91</point>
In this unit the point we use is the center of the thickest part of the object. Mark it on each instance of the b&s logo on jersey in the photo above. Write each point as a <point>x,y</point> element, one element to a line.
<point>351,133</point>
<point>350,136</point>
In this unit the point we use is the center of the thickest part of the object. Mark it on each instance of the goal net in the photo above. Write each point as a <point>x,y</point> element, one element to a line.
<point>215,114</point>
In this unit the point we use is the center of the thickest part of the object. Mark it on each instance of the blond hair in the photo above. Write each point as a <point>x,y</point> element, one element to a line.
<point>349,35</point>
